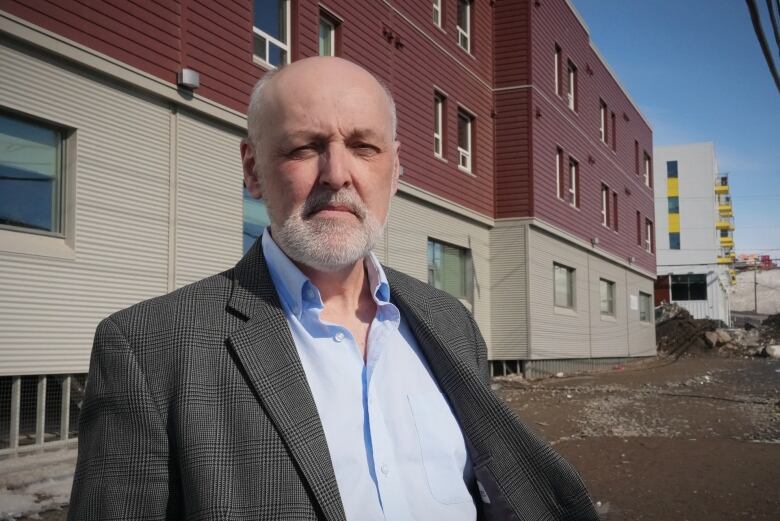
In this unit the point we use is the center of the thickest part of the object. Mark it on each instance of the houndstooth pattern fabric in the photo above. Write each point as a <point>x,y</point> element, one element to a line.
<point>197,407</point>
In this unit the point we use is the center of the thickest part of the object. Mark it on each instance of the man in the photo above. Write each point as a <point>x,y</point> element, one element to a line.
<point>309,382</point>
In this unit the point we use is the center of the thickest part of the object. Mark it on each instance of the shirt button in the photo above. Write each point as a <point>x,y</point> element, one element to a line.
<point>339,336</point>
<point>310,294</point>
<point>385,469</point>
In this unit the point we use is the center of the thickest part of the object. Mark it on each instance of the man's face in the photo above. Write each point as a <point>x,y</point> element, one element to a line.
<point>326,163</point>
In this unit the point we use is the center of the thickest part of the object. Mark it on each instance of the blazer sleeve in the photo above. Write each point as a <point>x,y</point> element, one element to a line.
<point>483,366</point>
<point>122,468</point>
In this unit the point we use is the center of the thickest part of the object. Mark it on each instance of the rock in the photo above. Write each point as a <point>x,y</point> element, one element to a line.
<point>773,351</point>
<point>559,375</point>
<point>711,337</point>
<point>723,336</point>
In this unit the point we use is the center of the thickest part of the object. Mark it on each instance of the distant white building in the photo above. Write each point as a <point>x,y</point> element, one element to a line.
<point>695,230</point>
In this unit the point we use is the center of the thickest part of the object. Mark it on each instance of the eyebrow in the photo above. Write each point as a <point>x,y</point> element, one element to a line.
<point>355,134</point>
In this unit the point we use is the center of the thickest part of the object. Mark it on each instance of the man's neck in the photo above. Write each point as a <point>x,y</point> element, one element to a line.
<point>342,289</point>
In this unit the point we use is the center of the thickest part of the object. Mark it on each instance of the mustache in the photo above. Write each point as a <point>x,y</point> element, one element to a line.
<point>323,198</point>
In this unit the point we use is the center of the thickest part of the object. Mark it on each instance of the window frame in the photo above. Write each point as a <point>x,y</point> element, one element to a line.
<point>605,205</point>
<point>285,46</point>
<point>438,19</point>
<point>615,211</point>
<point>557,65</point>
<point>468,154</point>
<point>439,111</point>
<point>571,286</point>
<point>614,131</point>
<point>672,173</point>
<point>603,121</point>
<point>572,81</point>
<point>645,300</point>
<point>327,19</point>
<point>31,241</point>
<point>465,257</point>
<point>464,33</point>
<point>611,292</point>
<point>574,182</point>
<point>560,181</point>
<point>648,170</point>
<point>672,245</point>
<point>649,242</point>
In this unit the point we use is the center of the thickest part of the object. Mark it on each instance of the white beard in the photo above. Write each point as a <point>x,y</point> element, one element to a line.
<point>327,244</point>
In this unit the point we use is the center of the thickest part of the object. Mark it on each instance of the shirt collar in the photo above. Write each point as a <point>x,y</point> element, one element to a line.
<point>295,289</point>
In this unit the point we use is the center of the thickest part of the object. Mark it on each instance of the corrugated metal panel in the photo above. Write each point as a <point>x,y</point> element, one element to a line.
<point>209,200</point>
<point>410,225</point>
<point>556,333</point>
<point>547,368</point>
<point>609,335</point>
<point>49,307</point>
<point>509,290</point>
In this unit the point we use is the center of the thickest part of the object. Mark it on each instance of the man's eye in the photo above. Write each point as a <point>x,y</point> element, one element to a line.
<point>303,152</point>
<point>365,149</point>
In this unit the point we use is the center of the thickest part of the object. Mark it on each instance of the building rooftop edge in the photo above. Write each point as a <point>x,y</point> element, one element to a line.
<point>605,64</point>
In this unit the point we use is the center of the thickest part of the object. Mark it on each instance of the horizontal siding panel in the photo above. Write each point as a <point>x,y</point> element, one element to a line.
<point>509,292</point>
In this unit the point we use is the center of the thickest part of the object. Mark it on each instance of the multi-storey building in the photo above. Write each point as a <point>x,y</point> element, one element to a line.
<point>695,222</point>
<point>526,188</point>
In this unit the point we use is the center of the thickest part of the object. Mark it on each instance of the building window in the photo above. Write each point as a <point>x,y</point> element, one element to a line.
<point>671,169</point>
<point>615,211</point>
<point>464,24</point>
<point>563,279</point>
<point>638,228</point>
<point>648,170</point>
<point>272,32</point>
<point>607,296</point>
<point>572,86</point>
<point>674,240</point>
<point>604,205</point>
<point>689,287</point>
<point>32,175</point>
<point>645,309</point>
<point>560,183</point>
<point>450,269</point>
<point>649,246</point>
<point>557,70</point>
<point>603,121</point>
<point>438,124</point>
<point>574,183</point>
<point>437,13</point>
<point>255,219</point>
<point>328,35</point>
<point>724,233</point>
<point>674,204</point>
<point>465,138</point>
<point>614,132</point>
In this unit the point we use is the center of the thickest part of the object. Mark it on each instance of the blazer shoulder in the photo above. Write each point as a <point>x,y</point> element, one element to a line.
<point>211,292</point>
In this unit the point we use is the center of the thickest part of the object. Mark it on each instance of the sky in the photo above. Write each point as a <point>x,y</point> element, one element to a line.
<point>697,73</point>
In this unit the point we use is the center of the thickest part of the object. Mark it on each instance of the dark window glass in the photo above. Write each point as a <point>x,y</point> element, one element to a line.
<point>674,204</point>
<point>269,18</point>
<point>671,169</point>
<point>255,219</point>
<point>674,241</point>
<point>724,233</point>
<point>689,287</point>
<point>30,174</point>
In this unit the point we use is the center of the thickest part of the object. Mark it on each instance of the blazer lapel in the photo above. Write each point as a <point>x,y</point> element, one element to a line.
<point>265,349</point>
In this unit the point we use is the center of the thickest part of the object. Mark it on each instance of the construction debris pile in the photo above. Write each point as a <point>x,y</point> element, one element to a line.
<point>679,334</point>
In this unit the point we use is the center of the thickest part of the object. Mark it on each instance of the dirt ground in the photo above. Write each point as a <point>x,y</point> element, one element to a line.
<point>697,439</point>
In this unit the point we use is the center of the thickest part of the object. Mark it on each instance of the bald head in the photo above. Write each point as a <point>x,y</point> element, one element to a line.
<point>321,78</point>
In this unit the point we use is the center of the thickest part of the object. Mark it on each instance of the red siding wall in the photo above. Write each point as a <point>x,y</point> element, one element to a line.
<point>577,132</point>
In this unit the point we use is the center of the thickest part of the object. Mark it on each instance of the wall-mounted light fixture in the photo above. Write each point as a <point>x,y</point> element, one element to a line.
<point>188,78</point>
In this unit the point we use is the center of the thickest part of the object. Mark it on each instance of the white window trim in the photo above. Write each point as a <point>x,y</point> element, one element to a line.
<point>558,172</point>
<point>571,287</point>
<point>270,39</point>
<point>611,292</point>
<point>647,298</point>
<point>604,205</point>
<point>437,21</point>
<point>573,173</point>
<point>465,33</point>
<point>438,102</point>
<point>465,153</point>
<point>557,61</point>
<point>647,169</point>
<point>649,236</point>
<point>603,122</point>
<point>331,33</point>
<point>572,75</point>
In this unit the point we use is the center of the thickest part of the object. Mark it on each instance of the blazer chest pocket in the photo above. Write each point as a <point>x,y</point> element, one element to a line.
<point>442,447</point>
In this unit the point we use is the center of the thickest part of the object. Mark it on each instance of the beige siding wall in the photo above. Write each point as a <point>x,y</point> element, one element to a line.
<point>509,291</point>
<point>50,305</point>
<point>209,203</point>
<point>583,331</point>
<point>641,335</point>
<point>412,222</point>
<point>128,243</point>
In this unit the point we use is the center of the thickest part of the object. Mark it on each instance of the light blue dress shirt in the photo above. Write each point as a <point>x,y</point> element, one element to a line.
<point>397,450</point>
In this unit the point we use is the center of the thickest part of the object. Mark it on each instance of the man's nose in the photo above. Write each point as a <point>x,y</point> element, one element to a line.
<point>335,167</point>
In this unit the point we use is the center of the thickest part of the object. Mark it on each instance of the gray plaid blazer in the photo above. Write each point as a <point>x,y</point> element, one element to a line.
<point>197,407</point>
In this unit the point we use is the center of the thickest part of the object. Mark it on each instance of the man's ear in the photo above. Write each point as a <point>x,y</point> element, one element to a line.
<point>251,179</point>
<point>396,167</point>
